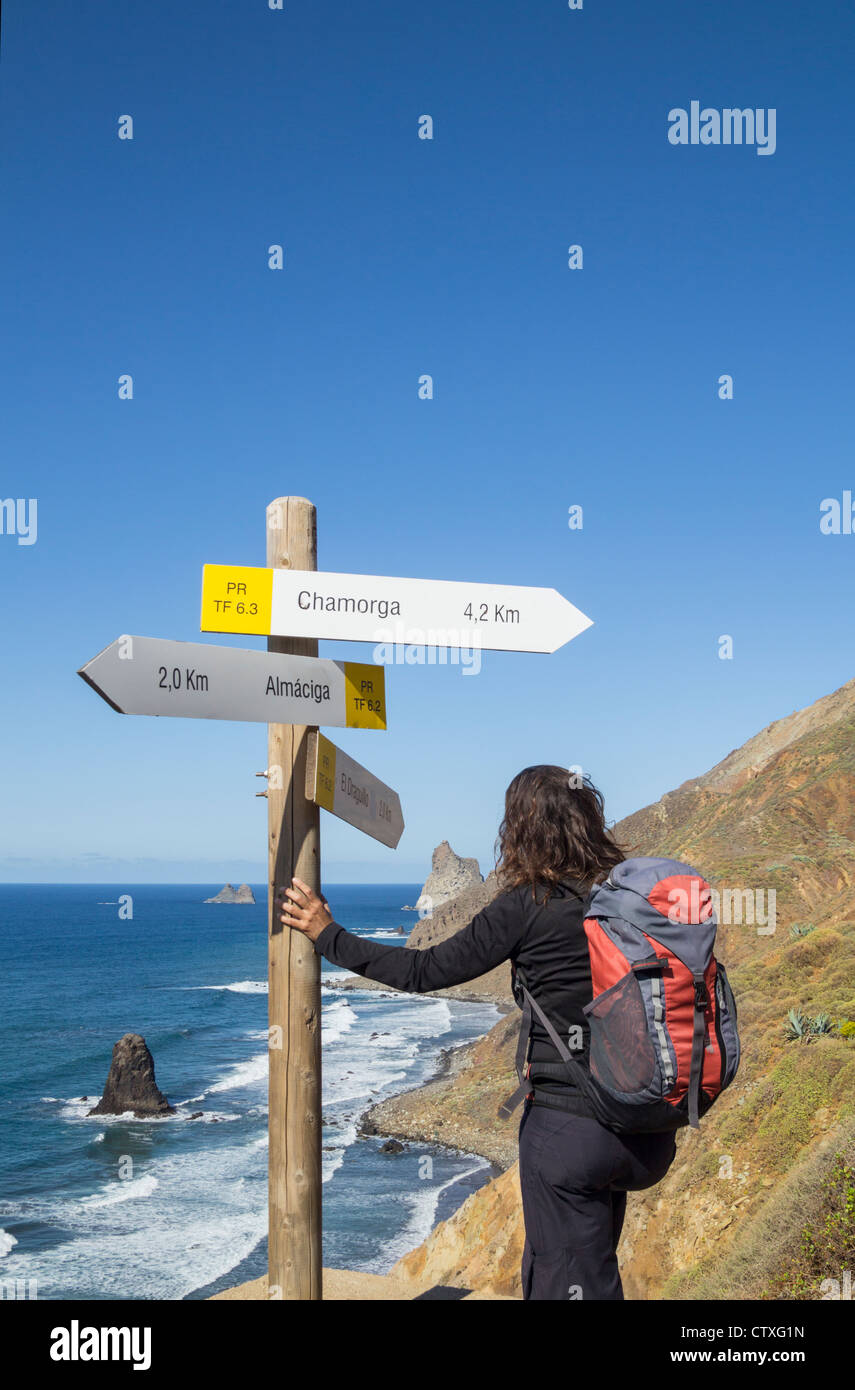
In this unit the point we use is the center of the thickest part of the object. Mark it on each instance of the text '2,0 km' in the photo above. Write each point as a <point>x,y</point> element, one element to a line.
<point>189,680</point>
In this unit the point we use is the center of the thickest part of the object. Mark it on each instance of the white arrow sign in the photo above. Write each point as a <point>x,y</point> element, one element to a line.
<point>370,608</point>
<point>149,675</point>
<point>342,786</point>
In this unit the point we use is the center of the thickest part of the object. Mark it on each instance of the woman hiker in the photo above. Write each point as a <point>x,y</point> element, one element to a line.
<point>574,1173</point>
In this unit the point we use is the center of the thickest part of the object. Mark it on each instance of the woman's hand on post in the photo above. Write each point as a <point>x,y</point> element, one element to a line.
<point>305,912</point>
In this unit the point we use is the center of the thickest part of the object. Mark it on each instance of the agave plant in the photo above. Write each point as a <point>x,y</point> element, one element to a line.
<point>823,1023</point>
<point>801,929</point>
<point>797,1026</point>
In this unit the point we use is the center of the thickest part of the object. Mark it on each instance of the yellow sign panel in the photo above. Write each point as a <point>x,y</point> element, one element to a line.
<point>339,784</point>
<point>237,598</point>
<point>365,696</point>
<point>324,793</point>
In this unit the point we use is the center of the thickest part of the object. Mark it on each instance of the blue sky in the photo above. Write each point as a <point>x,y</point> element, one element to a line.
<point>403,256</point>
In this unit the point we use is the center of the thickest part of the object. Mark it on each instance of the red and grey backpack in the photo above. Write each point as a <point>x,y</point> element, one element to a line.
<point>663,1036</point>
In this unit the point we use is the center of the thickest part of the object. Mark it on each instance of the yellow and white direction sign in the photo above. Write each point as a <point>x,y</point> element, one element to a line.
<point>190,680</point>
<point>338,784</point>
<point>370,608</point>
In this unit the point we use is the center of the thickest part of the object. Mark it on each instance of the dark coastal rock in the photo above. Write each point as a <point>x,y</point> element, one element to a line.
<point>230,894</point>
<point>130,1082</point>
<point>197,1115</point>
<point>391,1147</point>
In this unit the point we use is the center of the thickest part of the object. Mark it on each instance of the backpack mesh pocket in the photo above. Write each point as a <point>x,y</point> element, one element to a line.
<point>622,1056</point>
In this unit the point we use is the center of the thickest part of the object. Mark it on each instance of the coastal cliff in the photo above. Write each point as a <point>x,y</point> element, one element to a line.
<point>458,1108</point>
<point>755,1204</point>
<point>449,876</point>
<point>479,1247</point>
<point>442,923</point>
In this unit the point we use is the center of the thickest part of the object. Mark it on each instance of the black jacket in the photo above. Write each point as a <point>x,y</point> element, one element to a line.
<point>543,939</point>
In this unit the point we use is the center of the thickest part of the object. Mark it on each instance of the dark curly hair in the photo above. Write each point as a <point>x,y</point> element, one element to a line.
<point>553,829</point>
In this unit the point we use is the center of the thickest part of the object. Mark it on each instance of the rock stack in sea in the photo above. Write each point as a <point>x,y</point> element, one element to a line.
<point>131,1084</point>
<point>230,894</point>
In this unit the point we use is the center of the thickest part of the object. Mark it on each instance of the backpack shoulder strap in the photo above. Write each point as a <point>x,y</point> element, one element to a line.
<point>559,1046</point>
<point>511,1102</point>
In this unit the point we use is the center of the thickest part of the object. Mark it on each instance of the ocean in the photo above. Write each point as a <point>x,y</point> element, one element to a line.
<point>116,1208</point>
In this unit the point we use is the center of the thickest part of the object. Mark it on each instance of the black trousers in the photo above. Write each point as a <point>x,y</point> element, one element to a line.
<point>575,1175</point>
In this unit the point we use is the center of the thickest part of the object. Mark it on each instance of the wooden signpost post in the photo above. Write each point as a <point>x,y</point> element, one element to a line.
<point>294,1263</point>
<point>294,691</point>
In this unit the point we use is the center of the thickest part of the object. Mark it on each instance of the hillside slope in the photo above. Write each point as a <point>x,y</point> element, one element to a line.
<point>761,1200</point>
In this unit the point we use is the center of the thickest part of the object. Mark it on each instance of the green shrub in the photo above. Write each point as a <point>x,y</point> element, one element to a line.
<point>827,1243</point>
